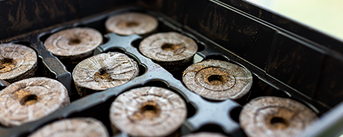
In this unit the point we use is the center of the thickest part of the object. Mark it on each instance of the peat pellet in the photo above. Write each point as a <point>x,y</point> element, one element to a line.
<point>205,134</point>
<point>104,71</point>
<point>217,80</point>
<point>131,23</point>
<point>30,99</point>
<point>17,62</point>
<point>75,127</point>
<point>275,117</point>
<point>73,44</point>
<point>148,111</point>
<point>171,50</point>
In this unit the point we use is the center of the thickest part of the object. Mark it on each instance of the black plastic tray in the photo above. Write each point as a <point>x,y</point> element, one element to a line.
<point>255,51</point>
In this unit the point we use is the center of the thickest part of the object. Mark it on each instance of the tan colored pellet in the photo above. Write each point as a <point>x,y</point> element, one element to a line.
<point>104,71</point>
<point>74,127</point>
<point>275,116</point>
<point>148,111</point>
<point>17,62</point>
<point>217,80</point>
<point>131,23</point>
<point>30,99</point>
<point>73,43</point>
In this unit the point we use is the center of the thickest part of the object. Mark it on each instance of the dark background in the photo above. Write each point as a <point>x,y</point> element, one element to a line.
<point>304,59</point>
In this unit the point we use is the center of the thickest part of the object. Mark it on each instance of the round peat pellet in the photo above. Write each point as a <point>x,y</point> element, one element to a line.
<point>275,117</point>
<point>30,99</point>
<point>171,50</point>
<point>131,23</point>
<point>73,45</point>
<point>17,62</point>
<point>148,111</point>
<point>75,127</point>
<point>217,80</point>
<point>104,71</point>
<point>205,134</point>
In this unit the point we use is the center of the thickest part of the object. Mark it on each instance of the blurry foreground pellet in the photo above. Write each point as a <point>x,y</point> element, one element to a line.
<point>75,127</point>
<point>30,99</point>
<point>275,117</point>
<point>148,111</point>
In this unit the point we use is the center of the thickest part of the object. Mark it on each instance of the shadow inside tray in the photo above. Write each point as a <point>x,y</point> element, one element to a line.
<point>100,112</point>
<point>210,128</point>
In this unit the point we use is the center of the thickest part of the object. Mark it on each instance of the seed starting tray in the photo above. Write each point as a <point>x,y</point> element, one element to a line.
<point>202,114</point>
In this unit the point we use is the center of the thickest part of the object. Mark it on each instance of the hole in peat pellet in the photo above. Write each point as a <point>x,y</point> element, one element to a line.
<point>74,41</point>
<point>131,24</point>
<point>7,63</point>
<point>279,122</point>
<point>171,47</point>
<point>216,79</point>
<point>148,110</point>
<point>28,100</point>
<point>102,71</point>
<point>102,75</point>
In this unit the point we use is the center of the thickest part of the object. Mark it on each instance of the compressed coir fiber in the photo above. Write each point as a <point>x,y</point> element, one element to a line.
<point>205,134</point>
<point>217,80</point>
<point>104,71</point>
<point>17,62</point>
<point>148,111</point>
<point>30,99</point>
<point>171,50</point>
<point>131,23</point>
<point>275,117</point>
<point>73,45</point>
<point>75,127</point>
